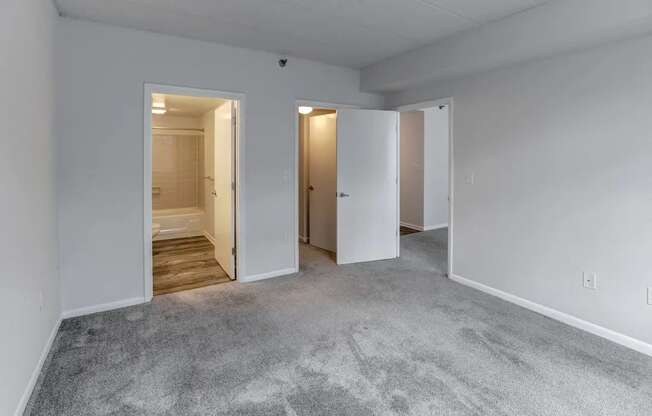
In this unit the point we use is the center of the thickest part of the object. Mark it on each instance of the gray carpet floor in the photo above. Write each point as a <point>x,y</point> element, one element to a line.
<point>383,338</point>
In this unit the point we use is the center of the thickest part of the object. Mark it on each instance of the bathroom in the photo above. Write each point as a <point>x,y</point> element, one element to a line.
<point>192,213</point>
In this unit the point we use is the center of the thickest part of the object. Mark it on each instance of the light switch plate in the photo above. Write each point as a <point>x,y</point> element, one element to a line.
<point>590,280</point>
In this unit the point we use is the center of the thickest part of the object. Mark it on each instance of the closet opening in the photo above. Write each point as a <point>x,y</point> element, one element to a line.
<point>317,182</point>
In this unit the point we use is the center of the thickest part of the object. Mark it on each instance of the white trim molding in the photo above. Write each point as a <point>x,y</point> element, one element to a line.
<point>435,227</point>
<point>209,238</point>
<point>87,310</point>
<point>29,389</point>
<point>412,226</point>
<point>269,275</point>
<point>617,337</point>
<point>423,227</point>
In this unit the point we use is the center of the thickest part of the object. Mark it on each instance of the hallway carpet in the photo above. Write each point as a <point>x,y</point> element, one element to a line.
<point>383,338</point>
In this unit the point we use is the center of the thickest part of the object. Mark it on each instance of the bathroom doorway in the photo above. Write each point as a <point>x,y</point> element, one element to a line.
<point>191,199</point>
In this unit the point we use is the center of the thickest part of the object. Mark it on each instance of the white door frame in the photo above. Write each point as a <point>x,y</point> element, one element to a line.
<point>239,157</point>
<point>294,168</point>
<point>451,183</point>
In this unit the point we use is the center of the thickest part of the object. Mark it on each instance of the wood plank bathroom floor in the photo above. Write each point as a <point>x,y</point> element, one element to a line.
<point>185,263</point>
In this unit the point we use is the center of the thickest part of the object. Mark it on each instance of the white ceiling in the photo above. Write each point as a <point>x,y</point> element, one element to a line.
<point>186,106</point>
<point>352,33</point>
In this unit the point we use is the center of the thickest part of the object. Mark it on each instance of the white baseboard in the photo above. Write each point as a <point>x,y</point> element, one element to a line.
<point>103,307</point>
<point>177,234</point>
<point>209,237</point>
<point>269,275</point>
<point>434,227</point>
<point>423,227</point>
<point>617,337</point>
<point>22,404</point>
<point>411,226</point>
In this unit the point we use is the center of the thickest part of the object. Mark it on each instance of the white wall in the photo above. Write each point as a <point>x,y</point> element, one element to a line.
<point>102,71</point>
<point>561,150</point>
<point>29,281</point>
<point>412,168</point>
<point>435,175</point>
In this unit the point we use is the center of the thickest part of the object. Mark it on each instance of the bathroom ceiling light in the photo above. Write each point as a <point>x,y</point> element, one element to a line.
<point>305,110</point>
<point>158,104</point>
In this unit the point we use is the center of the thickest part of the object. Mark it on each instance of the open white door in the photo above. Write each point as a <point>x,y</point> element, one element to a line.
<point>322,162</point>
<point>367,185</point>
<point>224,192</point>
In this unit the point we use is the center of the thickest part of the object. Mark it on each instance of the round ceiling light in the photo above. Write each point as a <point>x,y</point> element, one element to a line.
<point>305,110</point>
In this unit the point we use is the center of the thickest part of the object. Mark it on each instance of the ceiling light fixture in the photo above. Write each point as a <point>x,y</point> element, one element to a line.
<point>305,110</point>
<point>158,104</point>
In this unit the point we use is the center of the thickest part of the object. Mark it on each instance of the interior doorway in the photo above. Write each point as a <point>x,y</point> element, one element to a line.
<point>347,183</point>
<point>191,145</point>
<point>318,178</point>
<point>426,196</point>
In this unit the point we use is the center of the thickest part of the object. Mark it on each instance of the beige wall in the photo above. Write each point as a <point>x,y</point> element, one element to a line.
<point>304,127</point>
<point>175,163</point>
<point>304,171</point>
<point>208,169</point>
<point>412,168</point>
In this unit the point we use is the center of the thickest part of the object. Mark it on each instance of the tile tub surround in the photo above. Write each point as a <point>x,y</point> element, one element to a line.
<point>384,338</point>
<point>175,170</point>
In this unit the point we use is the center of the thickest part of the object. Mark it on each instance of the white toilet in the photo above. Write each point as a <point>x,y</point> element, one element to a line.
<point>156,230</point>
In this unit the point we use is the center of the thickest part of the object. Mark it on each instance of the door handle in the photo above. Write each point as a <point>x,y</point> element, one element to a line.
<point>214,194</point>
<point>343,195</point>
<point>311,188</point>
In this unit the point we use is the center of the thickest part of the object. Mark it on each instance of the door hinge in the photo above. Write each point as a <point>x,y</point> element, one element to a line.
<point>233,186</point>
<point>233,250</point>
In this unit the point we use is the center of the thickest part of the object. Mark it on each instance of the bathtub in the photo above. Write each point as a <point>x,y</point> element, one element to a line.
<point>178,222</point>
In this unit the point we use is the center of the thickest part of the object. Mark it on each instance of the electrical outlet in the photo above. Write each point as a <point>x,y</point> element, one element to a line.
<point>649,295</point>
<point>590,280</point>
